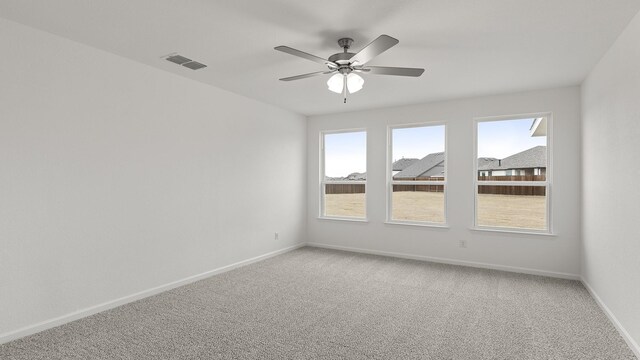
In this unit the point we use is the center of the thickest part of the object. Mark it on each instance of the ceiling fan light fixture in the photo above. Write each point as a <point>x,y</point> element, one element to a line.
<point>335,83</point>
<point>354,82</point>
<point>344,65</point>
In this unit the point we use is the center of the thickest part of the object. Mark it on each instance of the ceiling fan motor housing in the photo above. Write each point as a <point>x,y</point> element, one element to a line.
<point>342,58</point>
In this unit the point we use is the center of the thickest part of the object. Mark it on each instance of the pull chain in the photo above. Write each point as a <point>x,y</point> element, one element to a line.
<point>344,88</point>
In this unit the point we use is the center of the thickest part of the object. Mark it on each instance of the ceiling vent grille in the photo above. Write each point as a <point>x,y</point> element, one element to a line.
<point>186,62</point>
<point>194,65</point>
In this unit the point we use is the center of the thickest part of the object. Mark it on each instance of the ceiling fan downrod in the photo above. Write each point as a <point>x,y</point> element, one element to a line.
<point>345,43</point>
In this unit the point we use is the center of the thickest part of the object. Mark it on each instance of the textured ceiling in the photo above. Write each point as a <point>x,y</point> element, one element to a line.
<point>469,48</point>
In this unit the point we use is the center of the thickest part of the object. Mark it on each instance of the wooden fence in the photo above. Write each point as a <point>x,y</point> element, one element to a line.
<point>427,188</point>
<point>513,190</point>
<point>482,189</point>
<point>344,189</point>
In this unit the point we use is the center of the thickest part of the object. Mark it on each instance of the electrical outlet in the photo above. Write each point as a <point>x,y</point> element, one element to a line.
<point>462,244</point>
<point>275,237</point>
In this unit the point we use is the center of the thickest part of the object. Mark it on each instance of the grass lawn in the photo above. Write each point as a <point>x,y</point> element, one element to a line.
<point>493,210</point>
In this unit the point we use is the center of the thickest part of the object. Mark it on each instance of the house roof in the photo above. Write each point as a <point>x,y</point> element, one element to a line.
<point>536,157</point>
<point>421,166</point>
<point>357,176</point>
<point>433,164</point>
<point>484,161</point>
<point>403,163</point>
<point>353,176</point>
<point>538,127</point>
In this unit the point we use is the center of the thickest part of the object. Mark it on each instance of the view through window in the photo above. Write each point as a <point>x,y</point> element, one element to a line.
<point>418,174</point>
<point>345,174</point>
<point>511,183</point>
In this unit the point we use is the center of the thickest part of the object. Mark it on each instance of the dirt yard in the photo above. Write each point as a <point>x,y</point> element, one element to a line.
<point>493,210</point>
<point>418,206</point>
<point>528,212</point>
<point>351,205</point>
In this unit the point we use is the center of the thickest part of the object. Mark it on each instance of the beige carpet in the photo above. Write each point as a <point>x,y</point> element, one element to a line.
<point>322,304</point>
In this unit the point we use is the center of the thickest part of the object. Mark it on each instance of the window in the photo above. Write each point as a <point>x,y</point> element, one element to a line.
<point>417,174</point>
<point>512,174</point>
<point>343,175</point>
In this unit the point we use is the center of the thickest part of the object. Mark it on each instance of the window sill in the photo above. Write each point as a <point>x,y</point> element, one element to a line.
<point>343,219</point>
<point>430,225</point>
<point>513,231</point>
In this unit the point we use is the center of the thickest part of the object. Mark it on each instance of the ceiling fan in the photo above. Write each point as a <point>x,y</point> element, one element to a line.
<point>346,65</point>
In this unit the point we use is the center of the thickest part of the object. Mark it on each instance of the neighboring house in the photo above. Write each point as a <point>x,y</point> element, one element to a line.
<point>402,164</point>
<point>538,127</point>
<point>484,161</point>
<point>431,165</point>
<point>529,162</point>
<point>356,176</point>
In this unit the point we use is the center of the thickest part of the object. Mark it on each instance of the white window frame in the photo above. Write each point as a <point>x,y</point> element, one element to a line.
<point>391,182</point>
<point>547,183</point>
<point>323,182</point>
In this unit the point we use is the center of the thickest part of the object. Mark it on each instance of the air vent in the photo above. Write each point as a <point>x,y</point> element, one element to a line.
<point>194,65</point>
<point>178,59</point>
<point>186,62</point>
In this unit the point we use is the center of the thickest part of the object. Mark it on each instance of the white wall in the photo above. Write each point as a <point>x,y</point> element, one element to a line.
<point>555,254</point>
<point>116,177</point>
<point>611,186</point>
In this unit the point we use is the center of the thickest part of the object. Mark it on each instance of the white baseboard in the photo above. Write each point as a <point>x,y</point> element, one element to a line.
<point>452,261</point>
<point>623,332</point>
<point>47,324</point>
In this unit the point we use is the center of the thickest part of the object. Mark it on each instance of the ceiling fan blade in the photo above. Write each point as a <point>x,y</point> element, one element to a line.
<point>398,71</point>
<point>303,76</point>
<point>375,48</point>
<point>304,55</point>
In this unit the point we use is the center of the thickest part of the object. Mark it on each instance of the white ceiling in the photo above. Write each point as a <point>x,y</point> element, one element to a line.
<point>469,48</point>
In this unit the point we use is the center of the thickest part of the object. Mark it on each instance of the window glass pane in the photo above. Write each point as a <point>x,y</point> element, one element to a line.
<point>512,150</point>
<point>345,156</point>
<point>345,159</point>
<point>345,200</point>
<point>418,153</point>
<point>523,207</point>
<point>418,203</point>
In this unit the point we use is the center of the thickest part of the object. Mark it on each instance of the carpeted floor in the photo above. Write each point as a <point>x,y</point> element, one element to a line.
<point>323,304</point>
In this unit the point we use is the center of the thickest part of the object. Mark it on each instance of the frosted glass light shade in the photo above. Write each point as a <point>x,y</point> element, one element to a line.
<point>354,82</point>
<point>335,83</point>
